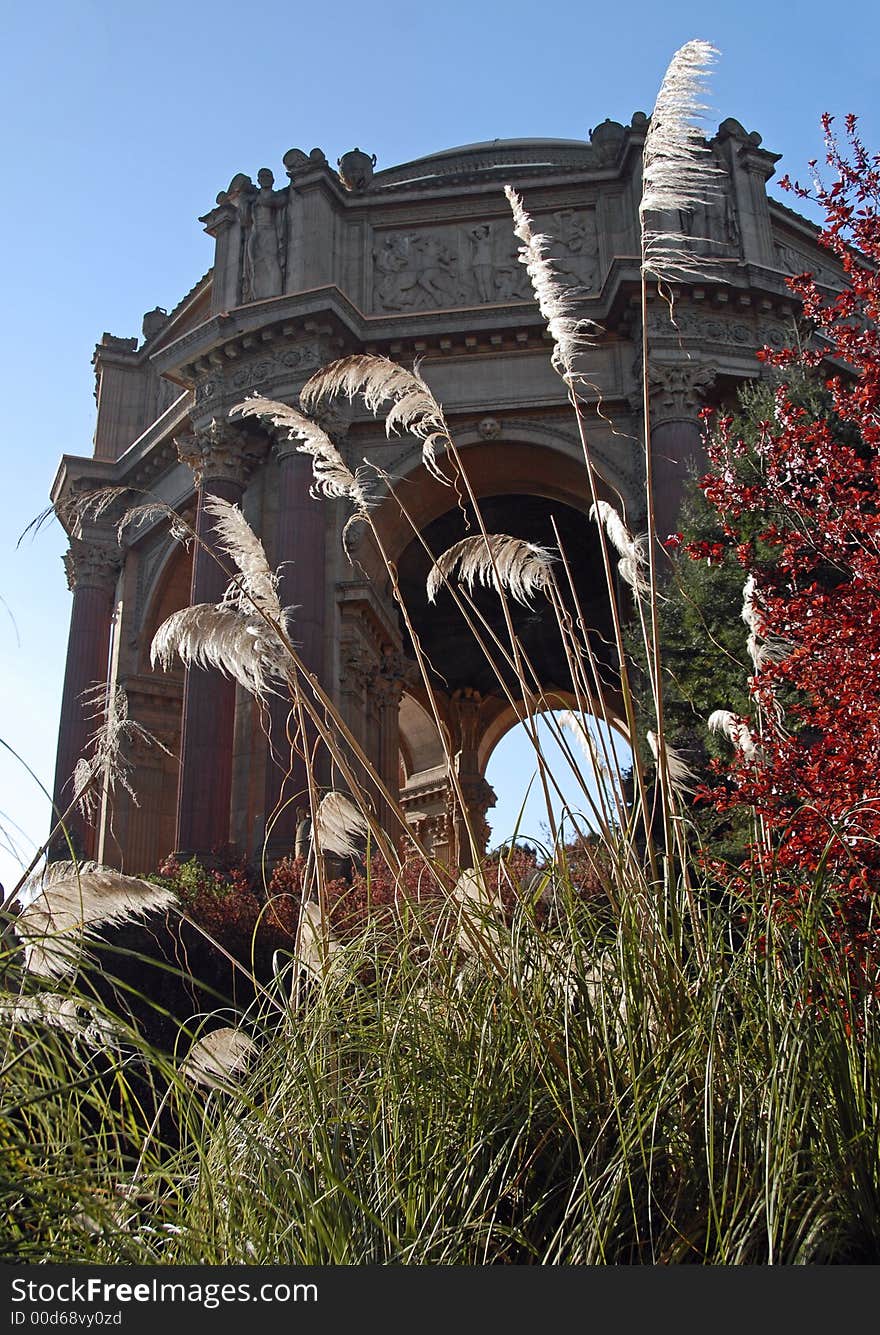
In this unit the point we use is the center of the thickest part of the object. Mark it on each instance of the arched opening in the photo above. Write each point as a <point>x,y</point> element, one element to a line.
<point>480,684</point>
<point>453,649</point>
<point>145,829</point>
<point>588,785</point>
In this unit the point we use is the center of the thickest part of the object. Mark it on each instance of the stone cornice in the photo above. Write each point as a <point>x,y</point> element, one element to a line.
<point>325,314</point>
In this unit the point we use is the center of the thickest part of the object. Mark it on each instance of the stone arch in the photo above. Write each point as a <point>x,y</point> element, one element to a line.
<point>506,719</point>
<point>523,487</point>
<point>142,833</point>
<point>536,460</point>
<point>168,590</point>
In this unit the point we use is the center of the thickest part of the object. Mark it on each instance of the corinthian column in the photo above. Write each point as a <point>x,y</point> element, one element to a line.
<point>677,391</point>
<point>92,566</point>
<point>298,554</point>
<point>218,460</point>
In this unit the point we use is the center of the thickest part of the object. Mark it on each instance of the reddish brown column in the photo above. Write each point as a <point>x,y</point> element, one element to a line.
<point>677,395</point>
<point>298,553</point>
<point>92,568</point>
<point>205,785</point>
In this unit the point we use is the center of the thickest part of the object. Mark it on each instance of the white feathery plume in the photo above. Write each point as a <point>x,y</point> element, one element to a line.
<point>749,611</point>
<point>257,587</point>
<point>572,335</point>
<point>735,729</point>
<point>332,476</point>
<point>59,1010</point>
<point>316,942</point>
<point>585,741</point>
<point>497,561</point>
<point>136,515</point>
<point>233,635</point>
<point>677,171</point>
<point>69,901</point>
<point>209,635</point>
<point>339,826</point>
<point>681,777</point>
<point>632,566</point>
<point>92,505</point>
<point>180,529</point>
<point>217,1060</point>
<point>378,379</point>
<point>480,912</point>
<point>761,649</point>
<point>105,761</point>
<point>56,1010</point>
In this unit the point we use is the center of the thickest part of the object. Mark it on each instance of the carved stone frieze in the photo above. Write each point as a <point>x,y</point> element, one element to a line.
<point>794,261</point>
<point>259,372</point>
<point>705,327</point>
<point>92,564</point>
<point>477,263</point>
<point>473,263</point>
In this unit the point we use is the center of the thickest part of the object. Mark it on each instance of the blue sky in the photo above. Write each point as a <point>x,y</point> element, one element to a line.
<point>120,123</point>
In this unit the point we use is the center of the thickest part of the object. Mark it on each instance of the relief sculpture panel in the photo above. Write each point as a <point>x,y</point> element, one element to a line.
<point>474,264</point>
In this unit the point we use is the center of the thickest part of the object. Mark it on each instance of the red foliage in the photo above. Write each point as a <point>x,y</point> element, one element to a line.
<point>224,902</point>
<point>815,497</point>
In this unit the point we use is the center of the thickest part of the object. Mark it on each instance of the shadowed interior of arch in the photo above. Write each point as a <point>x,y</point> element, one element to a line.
<point>457,659</point>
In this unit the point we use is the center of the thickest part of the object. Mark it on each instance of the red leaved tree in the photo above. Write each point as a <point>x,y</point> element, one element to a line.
<point>800,502</point>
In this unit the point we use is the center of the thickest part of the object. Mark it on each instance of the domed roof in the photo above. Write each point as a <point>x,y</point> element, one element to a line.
<point>491,155</point>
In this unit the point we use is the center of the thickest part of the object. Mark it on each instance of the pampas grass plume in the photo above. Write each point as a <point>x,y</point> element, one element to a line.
<point>497,561</point>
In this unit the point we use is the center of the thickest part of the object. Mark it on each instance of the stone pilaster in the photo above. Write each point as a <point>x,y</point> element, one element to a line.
<point>219,458</point>
<point>92,566</point>
<point>224,224</point>
<point>750,167</point>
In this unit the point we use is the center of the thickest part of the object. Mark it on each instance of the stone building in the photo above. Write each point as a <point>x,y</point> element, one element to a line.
<point>414,261</point>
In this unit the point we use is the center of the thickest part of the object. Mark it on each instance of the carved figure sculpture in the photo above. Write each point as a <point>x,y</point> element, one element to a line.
<point>395,282</point>
<point>579,235</point>
<point>263,255</point>
<point>436,276</point>
<point>480,238</point>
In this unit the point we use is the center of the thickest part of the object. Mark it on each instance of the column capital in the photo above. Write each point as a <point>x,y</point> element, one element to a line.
<point>677,390</point>
<point>92,564</point>
<point>218,452</point>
